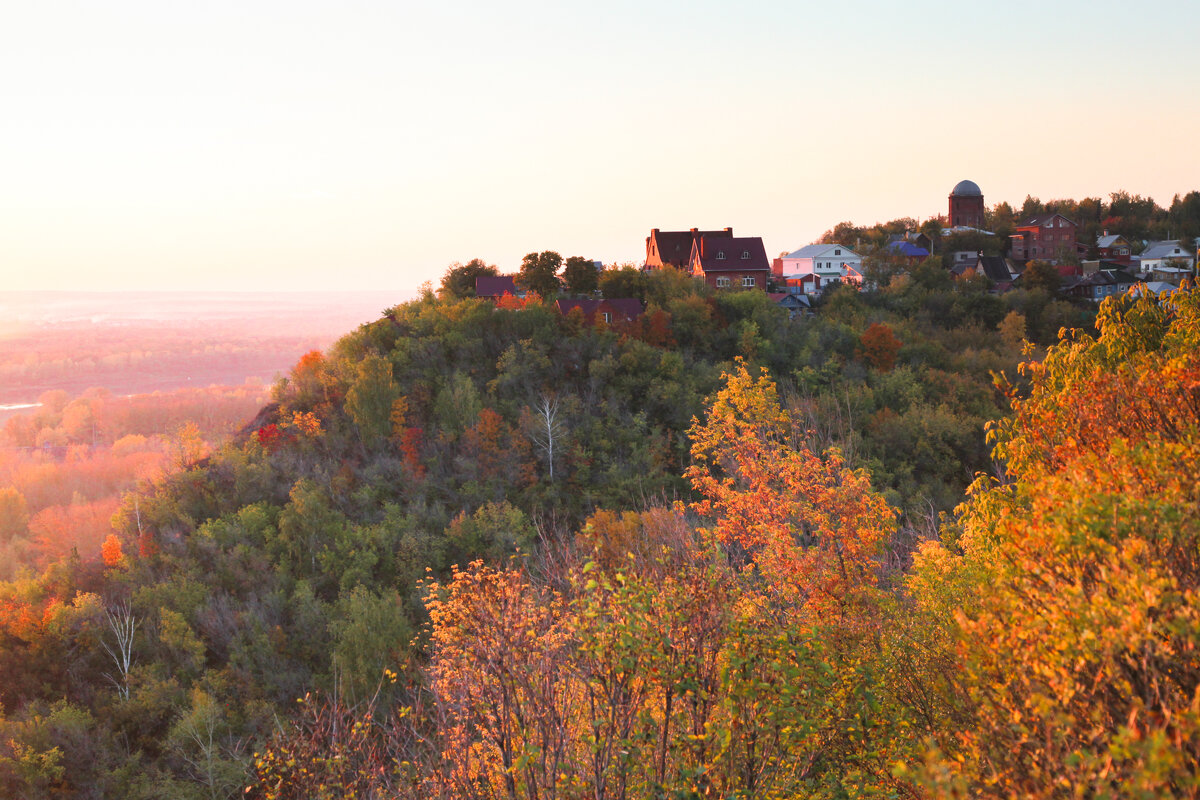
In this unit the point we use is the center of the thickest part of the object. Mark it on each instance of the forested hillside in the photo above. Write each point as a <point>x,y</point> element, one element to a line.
<point>495,551</point>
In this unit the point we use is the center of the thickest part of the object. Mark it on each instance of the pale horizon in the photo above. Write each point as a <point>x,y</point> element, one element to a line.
<point>367,146</point>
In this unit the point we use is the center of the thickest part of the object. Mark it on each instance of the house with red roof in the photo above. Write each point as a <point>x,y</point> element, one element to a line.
<point>494,287</point>
<point>727,262</point>
<point>674,248</point>
<point>617,309</point>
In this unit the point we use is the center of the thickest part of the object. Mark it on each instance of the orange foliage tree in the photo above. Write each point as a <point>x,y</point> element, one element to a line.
<point>110,551</point>
<point>878,347</point>
<point>806,522</point>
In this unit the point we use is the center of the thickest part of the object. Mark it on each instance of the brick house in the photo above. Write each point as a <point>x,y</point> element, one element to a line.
<point>725,262</point>
<point>1048,237</point>
<point>674,248</point>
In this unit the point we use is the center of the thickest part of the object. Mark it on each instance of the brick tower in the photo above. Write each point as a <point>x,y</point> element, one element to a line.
<point>966,205</point>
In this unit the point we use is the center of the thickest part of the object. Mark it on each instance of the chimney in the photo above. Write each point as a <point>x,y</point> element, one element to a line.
<point>729,231</point>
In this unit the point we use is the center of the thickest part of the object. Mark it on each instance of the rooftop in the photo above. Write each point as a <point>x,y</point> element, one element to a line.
<point>966,189</point>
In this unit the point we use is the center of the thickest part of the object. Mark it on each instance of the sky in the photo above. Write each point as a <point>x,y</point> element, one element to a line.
<point>368,145</point>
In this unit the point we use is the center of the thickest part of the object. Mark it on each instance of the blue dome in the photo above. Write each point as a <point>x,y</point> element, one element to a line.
<point>966,189</point>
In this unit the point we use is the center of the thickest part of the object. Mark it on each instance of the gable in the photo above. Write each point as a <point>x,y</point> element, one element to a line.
<point>675,247</point>
<point>718,254</point>
<point>1047,221</point>
<point>995,267</point>
<point>823,251</point>
<point>1165,250</point>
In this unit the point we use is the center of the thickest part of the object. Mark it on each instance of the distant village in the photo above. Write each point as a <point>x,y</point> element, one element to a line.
<point>1047,241</point>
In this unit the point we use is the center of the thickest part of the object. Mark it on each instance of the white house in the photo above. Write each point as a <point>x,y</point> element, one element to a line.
<point>1167,261</point>
<point>830,262</point>
<point>963,258</point>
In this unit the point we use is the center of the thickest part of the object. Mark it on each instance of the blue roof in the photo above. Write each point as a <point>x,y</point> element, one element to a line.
<point>909,250</point>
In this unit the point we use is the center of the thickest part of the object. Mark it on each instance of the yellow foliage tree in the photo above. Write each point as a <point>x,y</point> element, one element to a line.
<point>1081,636</point>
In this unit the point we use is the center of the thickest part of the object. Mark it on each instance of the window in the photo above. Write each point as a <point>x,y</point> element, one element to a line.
<point>607,317</point>
<point>837,252</point>
<point>748,282</point>
<point>722,283</point>
<point>745,254</point>
<point>720,255</point>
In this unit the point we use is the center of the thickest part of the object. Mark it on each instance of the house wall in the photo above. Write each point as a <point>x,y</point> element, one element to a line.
<point>797,266</point>
<point>735,277</point>
<point>827,264</point>
<point>1045,242</point>
<point>1151,264</point>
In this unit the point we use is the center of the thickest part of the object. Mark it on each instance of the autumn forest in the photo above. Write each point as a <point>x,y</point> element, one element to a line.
<point>926,542</point>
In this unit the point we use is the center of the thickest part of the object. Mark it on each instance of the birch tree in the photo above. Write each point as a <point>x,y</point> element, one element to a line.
<point>547,429</point>
<point>122,624</point>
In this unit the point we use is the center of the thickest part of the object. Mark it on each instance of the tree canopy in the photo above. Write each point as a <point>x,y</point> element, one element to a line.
<point>539,273</point>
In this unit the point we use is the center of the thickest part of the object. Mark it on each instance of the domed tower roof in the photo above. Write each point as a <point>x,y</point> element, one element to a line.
<point>966,189</point>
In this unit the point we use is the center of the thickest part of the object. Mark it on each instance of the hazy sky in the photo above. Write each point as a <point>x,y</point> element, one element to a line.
<point>304,145</point>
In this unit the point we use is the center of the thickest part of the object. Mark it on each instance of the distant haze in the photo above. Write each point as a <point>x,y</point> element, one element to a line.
<point>140,342</point>
<point>280,146</point>
<point>330,312</point>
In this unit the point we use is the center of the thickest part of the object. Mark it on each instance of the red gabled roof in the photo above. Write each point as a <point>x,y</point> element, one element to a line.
<point>495,286</point>
<point>1041,219</point>
<point>675,247</point>
<point>730,254</point>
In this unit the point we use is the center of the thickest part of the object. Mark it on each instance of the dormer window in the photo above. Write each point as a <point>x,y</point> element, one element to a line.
<point>745,254</point>
<point>720,255</point>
